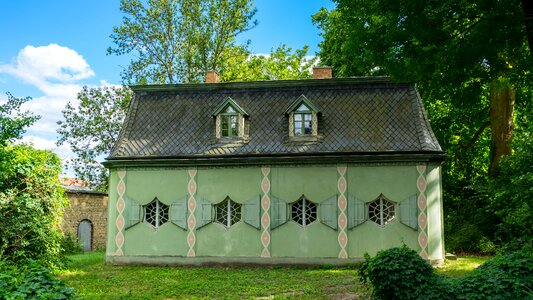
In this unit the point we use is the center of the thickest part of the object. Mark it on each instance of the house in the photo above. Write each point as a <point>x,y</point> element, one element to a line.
<point>314,171</point>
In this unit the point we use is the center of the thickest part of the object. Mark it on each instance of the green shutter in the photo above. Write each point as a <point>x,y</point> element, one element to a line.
<point>178,213</point>
<point>328,212</point>
<point>278,212</point>
<point>357,212</point>
<point>203,213</point>
<point>409,212</point>
<point>251,212</point>
<point>131,213</point>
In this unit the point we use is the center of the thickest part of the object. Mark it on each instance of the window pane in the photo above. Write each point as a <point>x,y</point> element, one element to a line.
<point>307,117</point>
<point>302,107</point>
<point>225,125</point>
<point>234,126</point>
<point>297,117</point>
<point>298,128</point>
<point>308,127</point>
<point>229,109</point>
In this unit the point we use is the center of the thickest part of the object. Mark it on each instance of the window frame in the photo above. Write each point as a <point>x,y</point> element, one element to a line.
<point>160,208</point>
<point>303,120</point>
<point>304,211</point>
<point>232,118</point>
<point>230,207</point>
<point>383,203</point>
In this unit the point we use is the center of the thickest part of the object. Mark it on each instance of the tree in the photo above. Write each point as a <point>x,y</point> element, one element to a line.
<point>281,64</point>
<point>13,123</point>
<point>178,40</point>
<point>91,128</point>
<point>470,54</point>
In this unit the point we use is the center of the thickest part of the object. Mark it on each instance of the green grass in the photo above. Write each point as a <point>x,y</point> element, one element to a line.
<point>93,279</point>
<point>461,266</point>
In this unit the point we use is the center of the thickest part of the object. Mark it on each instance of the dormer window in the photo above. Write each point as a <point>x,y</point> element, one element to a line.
<point>303,118</point>
<point>229,120</point>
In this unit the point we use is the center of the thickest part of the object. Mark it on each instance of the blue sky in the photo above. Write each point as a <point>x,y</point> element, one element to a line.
<point>50,49</point>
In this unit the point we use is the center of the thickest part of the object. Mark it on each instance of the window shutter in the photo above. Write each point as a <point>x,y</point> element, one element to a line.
<point>328,212</point>
<point>251,211</point>
<point>131,213</point>
<point>178,213</point>
<point>278,212</point>
<point>409,212</point>
<point>204,212</point>
<point>357,213</point>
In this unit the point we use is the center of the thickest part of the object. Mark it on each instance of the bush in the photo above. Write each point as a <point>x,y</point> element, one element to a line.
<point>31,281</point>
<point>508,276</point>
<point>400,273</point>
<point>70,244</point>
<point>31,202</point>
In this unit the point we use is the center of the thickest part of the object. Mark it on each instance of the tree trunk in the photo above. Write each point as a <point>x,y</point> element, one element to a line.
<point>502,100</point>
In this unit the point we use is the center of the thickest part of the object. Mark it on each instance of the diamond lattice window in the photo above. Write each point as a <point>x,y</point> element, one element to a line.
<point>228,212</point>
<point>381,211</point>
<point>303,212</point>
<point>156,213</point>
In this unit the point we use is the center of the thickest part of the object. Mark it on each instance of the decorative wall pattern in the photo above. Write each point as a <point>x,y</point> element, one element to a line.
<point>265,218</point>
<point>291,124</point>
<point>314,123</point>
<point>191,220</point>
<point>422,206</point>
<point>342,204</point>
<point>119,222</point>
<point>217,127</point>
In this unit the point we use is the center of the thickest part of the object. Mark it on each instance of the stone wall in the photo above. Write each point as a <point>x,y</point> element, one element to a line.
<point>90,206</point>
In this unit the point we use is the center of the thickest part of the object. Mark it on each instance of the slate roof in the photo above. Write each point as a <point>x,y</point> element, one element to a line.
<point>368,115</point>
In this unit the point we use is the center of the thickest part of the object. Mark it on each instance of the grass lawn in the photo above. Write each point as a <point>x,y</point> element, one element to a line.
<point>93,279</point>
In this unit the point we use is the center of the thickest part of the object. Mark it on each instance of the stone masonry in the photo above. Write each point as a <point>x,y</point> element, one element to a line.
<point>90,206</point>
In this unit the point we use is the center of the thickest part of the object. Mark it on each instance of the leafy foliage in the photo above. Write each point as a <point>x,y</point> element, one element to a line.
<point>90,127</point>
<point>178,40</point>
<point>13,122</point>
<point>31,281</point>
<point>281,64</point>
<point>400,273</point>
<point>31,202</point>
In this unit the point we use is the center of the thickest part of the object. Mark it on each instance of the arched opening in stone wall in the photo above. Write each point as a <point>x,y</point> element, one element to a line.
<point>85,234</point>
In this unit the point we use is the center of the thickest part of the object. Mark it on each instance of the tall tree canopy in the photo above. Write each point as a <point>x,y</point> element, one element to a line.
<point>473,55</point>
<point>13,122</point>
<point>178,40</point>
<point>91,126</point>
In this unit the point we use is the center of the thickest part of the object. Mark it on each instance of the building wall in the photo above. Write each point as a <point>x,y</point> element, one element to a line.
<point>313,243</point>
<point>91,206</point>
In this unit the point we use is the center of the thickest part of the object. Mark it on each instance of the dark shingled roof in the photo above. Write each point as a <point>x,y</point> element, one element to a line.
<point>357,115</point>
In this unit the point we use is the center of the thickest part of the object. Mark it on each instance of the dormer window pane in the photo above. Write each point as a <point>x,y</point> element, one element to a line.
<point>229,110</point>
<point>302,124</point>
<point>230,125</point>
<point>303,107</point>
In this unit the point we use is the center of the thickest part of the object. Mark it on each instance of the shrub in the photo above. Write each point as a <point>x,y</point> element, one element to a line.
<point>31,281</point>
<point>508,276</point>
<point>70,244</point>
<point>400,273</point>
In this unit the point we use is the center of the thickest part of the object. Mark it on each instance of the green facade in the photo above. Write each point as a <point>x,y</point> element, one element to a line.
<point>337,236</point>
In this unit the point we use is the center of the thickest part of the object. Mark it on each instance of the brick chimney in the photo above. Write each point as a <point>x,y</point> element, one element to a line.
<point>322,72</point>
<point>211,77</point>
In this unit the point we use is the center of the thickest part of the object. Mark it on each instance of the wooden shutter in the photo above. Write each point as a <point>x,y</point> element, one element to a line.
<point>203,213</point>
<point>357,211</point>
<point>251,212</point>
<point>132,212</point>
<point>278,212</point>
<point>328,212</point>
<point>178,213</point>
<point>409,212</point>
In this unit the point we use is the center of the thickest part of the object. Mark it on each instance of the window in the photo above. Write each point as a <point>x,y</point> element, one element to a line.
<point>303,117</point>
<point>381,211</point>
<point>230,122</point>
<point>156,213</point>
<point>303,212</point>
<point>228,212</point>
